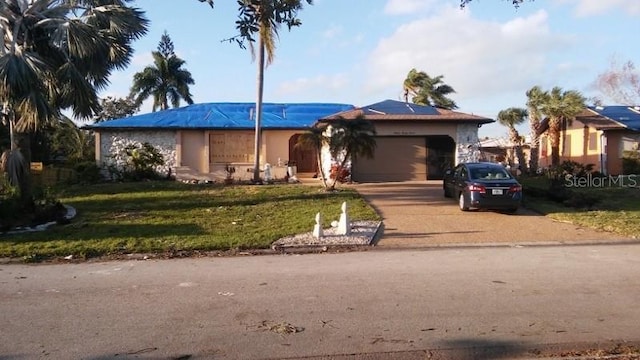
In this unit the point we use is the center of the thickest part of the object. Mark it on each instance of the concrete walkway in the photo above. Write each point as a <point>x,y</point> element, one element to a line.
<point>416,214</point>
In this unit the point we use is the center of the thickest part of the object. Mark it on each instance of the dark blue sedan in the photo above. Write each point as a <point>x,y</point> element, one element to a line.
<point>483,186</point>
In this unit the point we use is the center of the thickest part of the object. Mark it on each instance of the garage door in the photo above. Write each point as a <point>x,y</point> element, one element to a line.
<point>396,159</point>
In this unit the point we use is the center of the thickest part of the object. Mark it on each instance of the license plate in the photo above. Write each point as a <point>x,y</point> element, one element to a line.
<point>496,192</point>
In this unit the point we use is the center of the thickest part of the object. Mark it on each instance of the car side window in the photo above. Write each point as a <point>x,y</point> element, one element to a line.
<point>458,172</point>
<point>463,173</point>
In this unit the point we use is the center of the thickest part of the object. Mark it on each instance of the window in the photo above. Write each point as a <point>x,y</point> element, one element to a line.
<point>593,141</point>
<point>231,147</point>
<point>566,145</point>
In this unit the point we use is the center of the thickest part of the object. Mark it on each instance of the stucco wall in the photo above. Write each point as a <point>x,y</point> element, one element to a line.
<point>276,145</point>
<point>112,144</point>
<point>192,150</point>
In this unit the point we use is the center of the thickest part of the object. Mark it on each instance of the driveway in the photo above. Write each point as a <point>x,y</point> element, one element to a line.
<point>416,214</point>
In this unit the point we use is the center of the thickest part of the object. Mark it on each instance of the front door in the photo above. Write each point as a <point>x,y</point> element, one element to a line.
<point>304,159</point>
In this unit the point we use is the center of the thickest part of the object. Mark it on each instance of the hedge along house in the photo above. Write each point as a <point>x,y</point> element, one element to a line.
<point>413,142</point>
<point>198,141</point>
<point>600,135</point>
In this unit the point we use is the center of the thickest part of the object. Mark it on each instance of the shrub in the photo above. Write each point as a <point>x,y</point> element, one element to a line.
<point>340,174</point>
<point>630,162</point>
<point>136,162</point>
<point>88,172</point>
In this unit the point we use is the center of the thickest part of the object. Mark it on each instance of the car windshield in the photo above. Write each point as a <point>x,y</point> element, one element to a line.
<point>490,173</point>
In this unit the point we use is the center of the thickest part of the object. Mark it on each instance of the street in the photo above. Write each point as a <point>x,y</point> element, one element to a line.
<point>379,302</point>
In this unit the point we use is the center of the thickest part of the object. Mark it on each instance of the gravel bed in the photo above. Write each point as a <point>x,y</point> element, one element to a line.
<point>362,233</point>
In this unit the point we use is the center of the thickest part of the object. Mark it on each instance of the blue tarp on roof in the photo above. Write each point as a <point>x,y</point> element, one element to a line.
<point>229,116</point>
<point>393,107</point>
<point>625,115</point>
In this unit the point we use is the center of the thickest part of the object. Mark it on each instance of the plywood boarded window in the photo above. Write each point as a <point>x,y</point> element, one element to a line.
<point>593,142</point>
<point>566,145</point>
<point>231,147</point>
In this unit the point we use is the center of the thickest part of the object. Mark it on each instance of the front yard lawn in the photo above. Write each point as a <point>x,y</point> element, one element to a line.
<point>159,217</point>
<point>616,209</point>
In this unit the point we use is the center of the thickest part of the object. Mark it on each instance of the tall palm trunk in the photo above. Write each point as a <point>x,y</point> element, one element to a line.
<point>258,135</point>
<point>534,126</point>
<point>554,139</point>
<point>320,168</point>
<point>517,146</point>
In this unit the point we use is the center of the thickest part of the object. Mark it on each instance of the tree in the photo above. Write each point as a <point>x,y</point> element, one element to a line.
<point>510,118</point>
<point>535,97</point>
<point>263,18</point>
<point>115,108</point>
<point>426,90</point>
<point>350,139</point>
<point>74,144</point>
<point>621,83</point>
<point>57,55</point>
<point>315,139</point>
<point>165,80</point>
<point>561,107</point>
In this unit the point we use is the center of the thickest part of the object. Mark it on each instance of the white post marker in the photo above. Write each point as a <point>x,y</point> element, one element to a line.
<point>317,228</point>
<point>344,225</point>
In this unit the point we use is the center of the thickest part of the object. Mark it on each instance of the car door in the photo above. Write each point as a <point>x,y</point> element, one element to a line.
<point>459,177</point>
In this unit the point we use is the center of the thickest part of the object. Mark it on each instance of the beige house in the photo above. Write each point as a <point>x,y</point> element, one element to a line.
<point>598,136</point>
<point>198,141</point>
<point>414,142</point>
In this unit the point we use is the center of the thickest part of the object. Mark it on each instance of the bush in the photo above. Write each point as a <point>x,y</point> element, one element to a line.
<point>88,172</point>
<point>136,162</point>
<point>630,162</point>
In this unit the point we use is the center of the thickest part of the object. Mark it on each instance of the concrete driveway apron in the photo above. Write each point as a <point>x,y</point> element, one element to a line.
<point>416,214</point>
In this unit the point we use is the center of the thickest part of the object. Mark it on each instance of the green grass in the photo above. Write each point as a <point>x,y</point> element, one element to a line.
<point>161,217</point>
<point>617,209</point>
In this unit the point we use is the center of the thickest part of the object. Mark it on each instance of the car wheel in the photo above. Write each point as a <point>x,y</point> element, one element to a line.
<point>512,210</point>
<point>446,192</point>
<point>462,202</point>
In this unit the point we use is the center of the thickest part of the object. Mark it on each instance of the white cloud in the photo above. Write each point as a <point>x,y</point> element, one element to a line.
<point>332,32</point>
<point>479,59</point>
<point>584,8</point>
<point>316,85</point>
<point>402,7</point>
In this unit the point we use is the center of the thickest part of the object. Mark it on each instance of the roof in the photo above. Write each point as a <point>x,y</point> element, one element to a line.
<point>623,116</point>
<point>392,110</point>
<point>228,116</point>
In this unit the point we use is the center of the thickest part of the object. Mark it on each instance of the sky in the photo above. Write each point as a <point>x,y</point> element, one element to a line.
<point>359,51</point>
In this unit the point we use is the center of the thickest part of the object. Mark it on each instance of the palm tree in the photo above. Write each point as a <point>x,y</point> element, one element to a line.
<point>263,17</point>
<point>426,90</point>
<point>535,97</point>
<point>561,107</point>
<point>315,139</point>
<point>165,80</point>
<point>510,118</point>
<point>350,139</point>
<point>75,144</point>
<point>57,55</point>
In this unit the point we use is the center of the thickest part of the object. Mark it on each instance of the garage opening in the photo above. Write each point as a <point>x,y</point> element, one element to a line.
<point>406,158</point>
<point>440,156</point>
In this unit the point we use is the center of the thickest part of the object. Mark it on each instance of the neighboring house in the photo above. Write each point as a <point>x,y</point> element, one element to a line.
<point>502,149</point>
<point>413,142</point>
<point>598,136</point>
<point>198,141</point>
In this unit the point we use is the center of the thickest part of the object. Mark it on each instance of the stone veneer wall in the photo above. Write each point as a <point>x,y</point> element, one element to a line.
<point>113,142</point>
<point>467,143</point>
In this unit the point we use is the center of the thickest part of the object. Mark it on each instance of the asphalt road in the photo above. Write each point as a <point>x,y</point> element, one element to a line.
<point>405,304</point>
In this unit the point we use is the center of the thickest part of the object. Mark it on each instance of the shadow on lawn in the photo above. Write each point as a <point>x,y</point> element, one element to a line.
<point>195,200</point>
<point>100,232</point>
